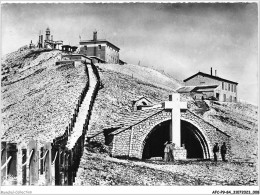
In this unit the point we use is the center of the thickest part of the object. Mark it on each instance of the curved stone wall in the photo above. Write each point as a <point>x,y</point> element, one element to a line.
<point>130,143</point>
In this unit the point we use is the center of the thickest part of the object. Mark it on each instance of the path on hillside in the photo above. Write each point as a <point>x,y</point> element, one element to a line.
<point>83,110</point>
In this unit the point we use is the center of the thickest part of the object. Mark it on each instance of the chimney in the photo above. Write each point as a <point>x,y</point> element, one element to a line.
<point>211,71</point>
<point>215,72</point>
<point>51,37</point>
<point>95,35</point>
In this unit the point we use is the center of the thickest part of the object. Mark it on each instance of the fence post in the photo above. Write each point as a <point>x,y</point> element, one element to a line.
<point>62,166</point>
<point>41,161</point>
<point>24,168</point>
<point>74,164</point>
<point>12,165</point>
<point>66,167</point>
<point>47,164</point>
<point>57,166</point>
<point>70,167</point>
<point>3,160</point>
<point>33,164</point>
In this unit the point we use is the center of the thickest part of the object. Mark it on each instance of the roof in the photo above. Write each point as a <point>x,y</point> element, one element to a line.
<point>188,89</point>
<point>209,123</point>
<point>136,117</point>
<point>132,119</point>
<point>210,76</point>
<point>142,97</point>
<point>98,41</point>
<point>185,89</point>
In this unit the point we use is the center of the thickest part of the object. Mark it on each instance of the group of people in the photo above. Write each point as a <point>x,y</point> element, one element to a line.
<point>168,151</point>
<point>223,151</point>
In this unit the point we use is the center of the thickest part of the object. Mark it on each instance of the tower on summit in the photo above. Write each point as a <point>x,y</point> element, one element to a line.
<point>48,33</point>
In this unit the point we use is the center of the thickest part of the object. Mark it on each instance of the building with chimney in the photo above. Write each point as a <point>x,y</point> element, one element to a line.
<point>100,50</point>
<point>209,86</point>
<point>49,43</point>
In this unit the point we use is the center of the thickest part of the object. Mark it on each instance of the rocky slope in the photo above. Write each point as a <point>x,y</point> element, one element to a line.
<point>37,97</point>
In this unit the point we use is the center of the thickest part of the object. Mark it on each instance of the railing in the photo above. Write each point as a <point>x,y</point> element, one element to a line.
<point>54,159</point>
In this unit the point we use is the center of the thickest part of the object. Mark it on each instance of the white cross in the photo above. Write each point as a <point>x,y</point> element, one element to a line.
<point>175,105</point>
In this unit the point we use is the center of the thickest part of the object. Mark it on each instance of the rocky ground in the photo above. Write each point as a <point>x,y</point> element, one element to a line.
<point>97,168</point>
<point>240,121</point>
<point>37,97</point>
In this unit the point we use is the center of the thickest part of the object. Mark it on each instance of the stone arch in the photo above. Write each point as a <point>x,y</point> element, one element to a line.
<point>199,133</point>
<point>142,131</point>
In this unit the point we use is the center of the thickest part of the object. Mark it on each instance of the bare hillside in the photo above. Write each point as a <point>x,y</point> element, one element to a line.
<point>145,74</point>
<point>116,96</point>
<point>37,97</point>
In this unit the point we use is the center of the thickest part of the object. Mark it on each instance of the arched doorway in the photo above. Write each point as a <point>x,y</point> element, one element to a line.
<point>191,137</point>
<point>154,142</point>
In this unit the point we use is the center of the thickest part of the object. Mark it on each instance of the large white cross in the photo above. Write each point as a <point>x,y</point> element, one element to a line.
<point>175,128</point>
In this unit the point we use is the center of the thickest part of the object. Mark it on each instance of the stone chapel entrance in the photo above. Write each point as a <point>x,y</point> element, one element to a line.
<point>154,146</point>
<point>194,142</point>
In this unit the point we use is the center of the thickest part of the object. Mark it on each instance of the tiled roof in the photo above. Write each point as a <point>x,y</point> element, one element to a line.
<point>210,76</point>
<point>133,118</point>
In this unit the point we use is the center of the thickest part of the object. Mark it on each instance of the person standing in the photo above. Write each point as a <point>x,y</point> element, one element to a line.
<point>172,146</point>
<point>166,152</point>
<point>215,151</point>
<point>223,151</point>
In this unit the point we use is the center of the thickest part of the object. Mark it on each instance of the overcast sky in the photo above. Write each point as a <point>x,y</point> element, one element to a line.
<point>180,38</point>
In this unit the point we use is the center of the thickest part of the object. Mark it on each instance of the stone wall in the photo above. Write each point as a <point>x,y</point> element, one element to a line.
<point>121,144</point>
<point>131,141</point>
<point>94,51</point>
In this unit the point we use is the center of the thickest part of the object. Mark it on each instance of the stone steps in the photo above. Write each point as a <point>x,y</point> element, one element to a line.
<point>83,110</point>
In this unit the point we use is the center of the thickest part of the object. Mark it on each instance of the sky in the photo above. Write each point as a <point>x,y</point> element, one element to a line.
<point>179,38</point>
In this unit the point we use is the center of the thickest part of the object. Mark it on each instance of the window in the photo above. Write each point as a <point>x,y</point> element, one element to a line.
<point>232,87</point>
<point>99,46</point>
<point>86,47</point>
<point>223,85</point>
<point>235,88</point>
<point>228,86</point>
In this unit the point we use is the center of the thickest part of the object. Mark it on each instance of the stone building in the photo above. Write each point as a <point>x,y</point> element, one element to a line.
<point>142,133</point>
<point>49,43</point>
<point>100,49</point>
<point>69,48</point>
<point>31,45</point>
<point>204,86</point>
